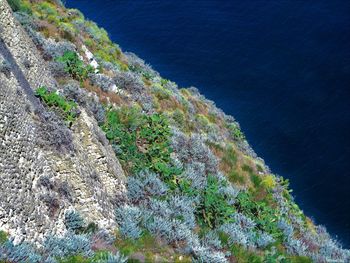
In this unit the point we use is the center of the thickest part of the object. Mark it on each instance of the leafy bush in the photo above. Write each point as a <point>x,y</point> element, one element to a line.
<point>67,108</point>
<point>18,5</point>
<point>264,216</point>
<point>236,132</point>
<point>3,237</point>
<point>141,141</point>
<point>75,66</point>
<point>213,209</point>
<point>242,255</point>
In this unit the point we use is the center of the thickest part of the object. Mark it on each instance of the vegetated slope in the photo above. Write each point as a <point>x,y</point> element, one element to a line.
<point>195,189</point>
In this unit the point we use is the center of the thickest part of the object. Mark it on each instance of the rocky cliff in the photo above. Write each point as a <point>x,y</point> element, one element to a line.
<point>47,168</point>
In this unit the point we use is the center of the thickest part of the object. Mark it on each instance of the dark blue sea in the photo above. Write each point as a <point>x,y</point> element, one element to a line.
<point>281,68</point>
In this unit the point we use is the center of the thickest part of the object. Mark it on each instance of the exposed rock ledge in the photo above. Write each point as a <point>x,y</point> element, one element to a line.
<point>46,168</point>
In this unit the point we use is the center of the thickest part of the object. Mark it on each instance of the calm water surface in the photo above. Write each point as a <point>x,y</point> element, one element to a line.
<point>282,68</point>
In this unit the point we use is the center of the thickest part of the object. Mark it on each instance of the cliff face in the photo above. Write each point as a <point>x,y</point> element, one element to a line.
<point>46,168</point>
<point>89,134</point>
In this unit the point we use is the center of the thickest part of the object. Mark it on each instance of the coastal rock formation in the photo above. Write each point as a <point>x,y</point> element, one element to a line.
<point>46,168</point>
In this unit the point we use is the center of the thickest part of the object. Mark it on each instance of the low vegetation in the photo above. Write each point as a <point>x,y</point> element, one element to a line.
<point>67,109</point>
<point>75,66</point>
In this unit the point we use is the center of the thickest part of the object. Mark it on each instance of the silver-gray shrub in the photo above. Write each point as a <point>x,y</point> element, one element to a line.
<point>73,220</point>
<point>18,253</point>
<point>128,218</point>
<point>211,239</point>
<point>206,255</point>
<point>25,20</point>
<point>112,258</point>
<point>195,173</point>
<point>183,207</point>
<point>287,228</point>
<point>193,148</point>
<point>54,49</point>
<point>90,102</point>
<point>50,260</point>
<point>101,80</point>
<point>145,184</point>
<point>5,67</point>
<point>68,245</point>
<point>128,81</point>
<point>161,219</point>
<point>171,230</point>
<point>137,64</point>
<point>264,239</point>
<point>227,189</point>
<point>240,231</point>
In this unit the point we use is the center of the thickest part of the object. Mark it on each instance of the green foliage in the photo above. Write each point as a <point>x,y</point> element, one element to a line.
<point>130,246</point>
<point>264,215</point>
<point>273,255</point>
<point>19,5</point>
<point>47,8</point>
<point>160,92</point>
<point>213,209</point>
<point>3,237</point>
<point>243,255</point>
<point>75,66</point>
<point>179,117</point>
<point>141,141</point>
<point>64,107</point>
<point>74,259</point>
<point>255,179</point>
<point>235,177</point>
<point>236,132</point>
<point>224,238</point>
<point>299,259</point>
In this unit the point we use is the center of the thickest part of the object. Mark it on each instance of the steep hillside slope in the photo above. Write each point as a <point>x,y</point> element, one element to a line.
<point>102,159</point>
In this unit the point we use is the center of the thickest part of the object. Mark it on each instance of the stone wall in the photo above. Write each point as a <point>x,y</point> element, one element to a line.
<point>45,167</point>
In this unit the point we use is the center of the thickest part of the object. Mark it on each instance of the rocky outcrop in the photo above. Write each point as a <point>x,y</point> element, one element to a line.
<point>47,168</point>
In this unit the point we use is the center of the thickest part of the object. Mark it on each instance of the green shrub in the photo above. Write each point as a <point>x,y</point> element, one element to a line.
<point>236,132</point>
<point>68,109</point>
<point>235,177</point>
<point>213,209</point>
<point>243,255</point>
<point>75,66</point>
<point>18,5</point>
<point>141,141</point>
<point>160,92</point>
<point>3,237</point>
<point>264,215</point>
<point>179,117</point>
<point>74,259</point>
<point>255,179</point>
